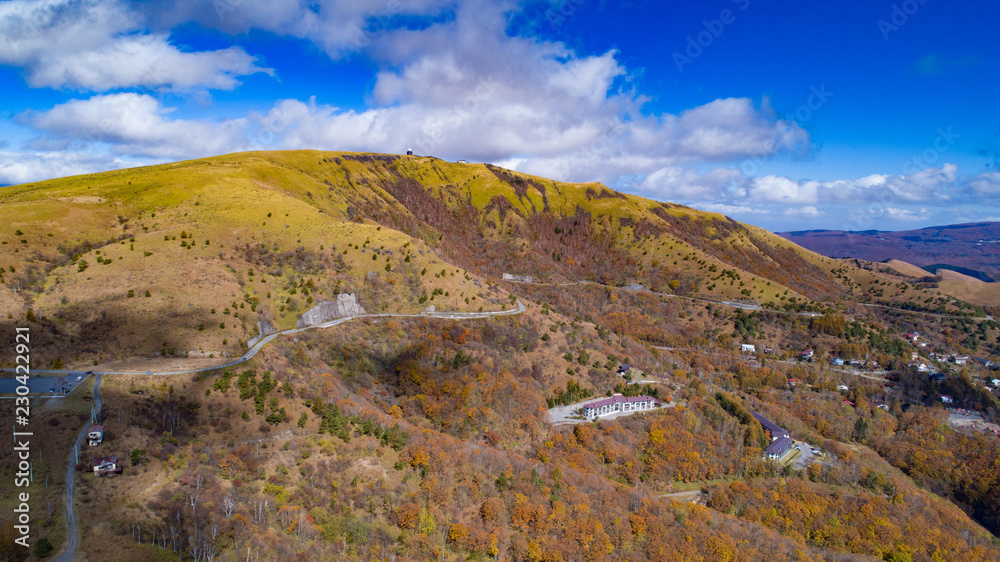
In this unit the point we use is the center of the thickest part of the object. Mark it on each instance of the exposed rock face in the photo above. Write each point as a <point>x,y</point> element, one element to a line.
<point>345,305</point>
<point>264,328</point>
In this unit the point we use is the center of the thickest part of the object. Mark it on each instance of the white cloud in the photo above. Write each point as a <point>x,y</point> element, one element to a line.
<point>20,167</point>
<point>100,46</point>
<point>987,183</point>
<point>733,209</point>
<point>808,211</point>
<point>137,124</point>
<point>783,190</point>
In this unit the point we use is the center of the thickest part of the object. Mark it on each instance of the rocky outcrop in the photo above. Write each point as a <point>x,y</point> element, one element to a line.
<point>345,305</point>
<point>264,328</point>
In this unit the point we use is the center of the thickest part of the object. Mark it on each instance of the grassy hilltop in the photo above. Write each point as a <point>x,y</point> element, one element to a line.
<point>185,259</point>
<point>431,438</point>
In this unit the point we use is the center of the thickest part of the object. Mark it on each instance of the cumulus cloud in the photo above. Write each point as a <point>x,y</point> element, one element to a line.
<point>733,209</point>
<point>20,167</point>
<point>783,190</point>
<point>808,211</point>
<point>100,46</point>
<point>138,125</point>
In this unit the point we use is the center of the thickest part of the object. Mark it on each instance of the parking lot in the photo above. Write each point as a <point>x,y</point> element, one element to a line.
<point>45,385</point>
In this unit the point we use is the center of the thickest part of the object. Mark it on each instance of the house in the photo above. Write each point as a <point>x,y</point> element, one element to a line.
<point>884,407</point>
<point>463,161</point>
<point>95,435</point>
<point>748,348</point>
<point>807,354</point>
<point>619,403</point>
<point>996,382</point>
<point>768,350</point>
<point>912,336</point>
<point>960,359</point>
<point>773,429</point>
<point>924,368</point>
<point>937,377</point>
<point>842,387</point>
<point>409,152</point>
<point>848,402</point>
<point>794,382</point>
<point>837,361</point>
<point>624,368</point>
<point>779,447</point>
<point>104,465</point>
<point>946,399</point>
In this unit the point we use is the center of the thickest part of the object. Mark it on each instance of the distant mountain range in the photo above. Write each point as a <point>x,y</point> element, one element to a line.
<point>972,249</point>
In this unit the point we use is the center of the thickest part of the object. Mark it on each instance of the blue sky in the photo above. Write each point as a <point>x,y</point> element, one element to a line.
<point>849,115</point>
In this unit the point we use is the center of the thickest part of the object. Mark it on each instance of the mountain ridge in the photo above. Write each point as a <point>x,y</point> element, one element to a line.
<point>187,257</point>
<point>973,246</point>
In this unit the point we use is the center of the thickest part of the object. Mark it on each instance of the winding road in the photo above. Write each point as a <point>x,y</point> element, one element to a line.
<point>69,554</point>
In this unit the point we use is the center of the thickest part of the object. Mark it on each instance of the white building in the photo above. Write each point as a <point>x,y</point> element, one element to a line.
<point>748,347</point>
<point>619,403</point>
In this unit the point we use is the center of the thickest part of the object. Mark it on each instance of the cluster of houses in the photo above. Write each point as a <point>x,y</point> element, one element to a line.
<point>101,466</point>
<point>618,403</point>
<point>781,441</point>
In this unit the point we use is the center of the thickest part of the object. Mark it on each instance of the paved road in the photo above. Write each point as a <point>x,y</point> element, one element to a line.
<point>41,385</point>
<point>69,554</point>
<point>733,304</point>
<point>250,353</point>
<point>741,305</point>
<point>805,456</point>
<point>934,314</point>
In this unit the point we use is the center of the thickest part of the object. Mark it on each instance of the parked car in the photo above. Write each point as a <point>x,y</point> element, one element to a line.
<point>79,378</point>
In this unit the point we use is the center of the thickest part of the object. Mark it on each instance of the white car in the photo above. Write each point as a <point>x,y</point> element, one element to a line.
<point>79,378</point>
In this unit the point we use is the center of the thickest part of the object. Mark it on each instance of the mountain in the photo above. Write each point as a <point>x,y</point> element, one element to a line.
<point>972,249</point>
<point>191,259</point>
<point>446,436</point>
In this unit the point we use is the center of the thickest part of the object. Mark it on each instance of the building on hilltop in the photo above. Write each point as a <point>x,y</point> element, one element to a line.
<point>774,430</point>
<point>779,447</point>
<point>619,403</point>
<point>781,441</point>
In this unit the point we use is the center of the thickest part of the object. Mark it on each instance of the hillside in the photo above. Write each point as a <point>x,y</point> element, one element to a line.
<point>185,259</point>
<point>972,249</point>
<point>413,436</point>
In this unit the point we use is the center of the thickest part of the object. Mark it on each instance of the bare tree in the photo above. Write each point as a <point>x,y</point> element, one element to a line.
<point>208,549</point>
<point>193,501</point>
<point>229,506</point>
<point>260,510</point>
<point>195,546</point>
